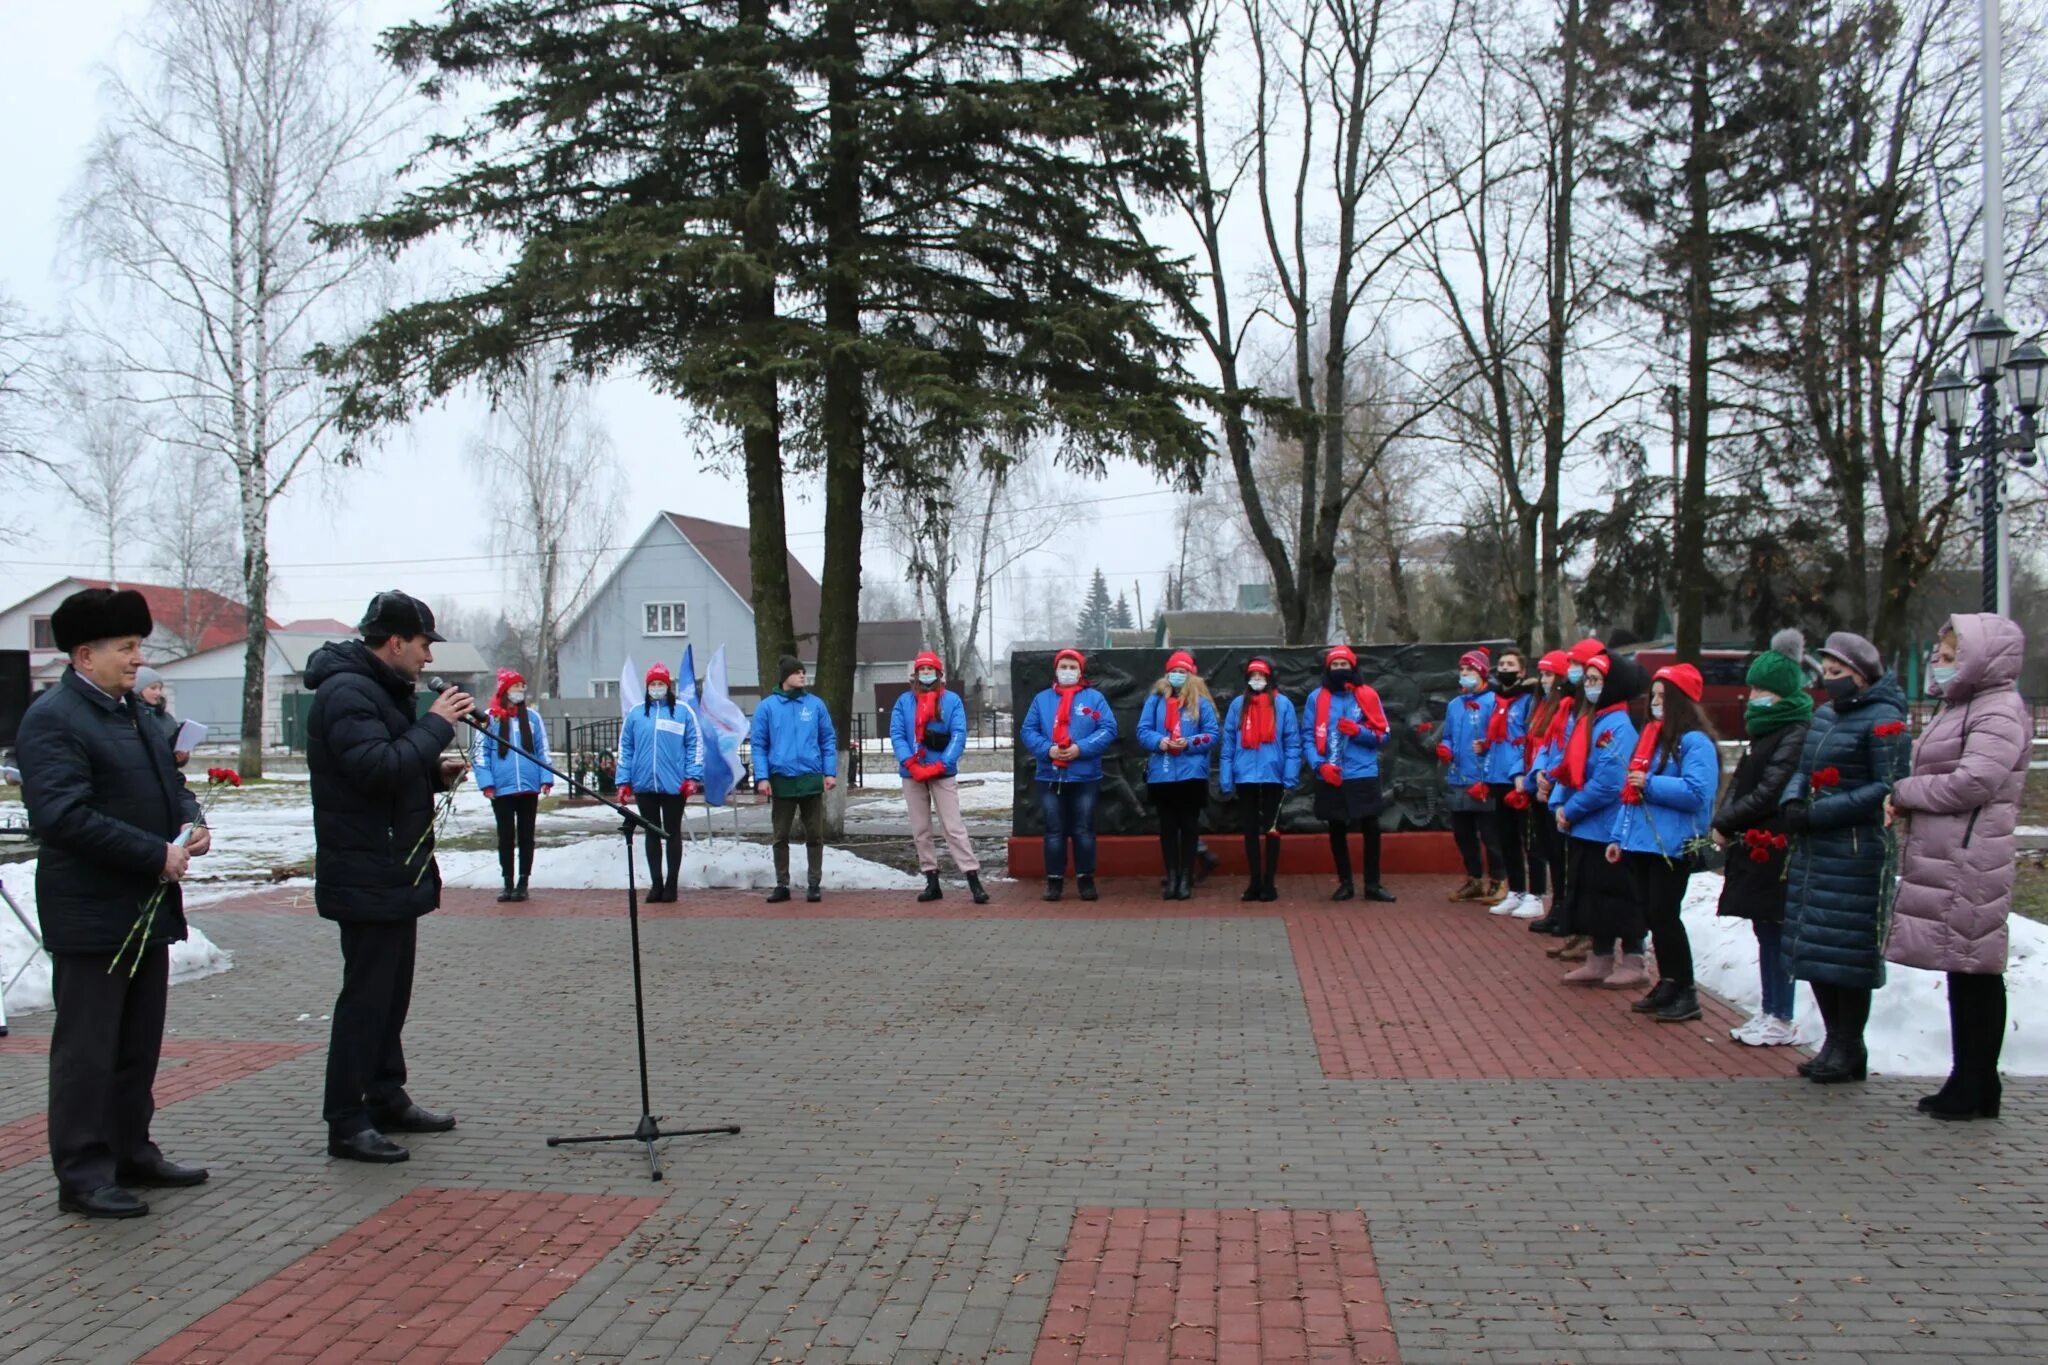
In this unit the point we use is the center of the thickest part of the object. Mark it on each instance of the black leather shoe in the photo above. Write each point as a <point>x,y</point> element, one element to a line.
<point>160,1174</point>
<point>1344,892</point>
<point>411,1119</point>
<point>778,895</point>
<point>368,1145</point>
<point>1086,881</point>
<point>506,894</point>
<point>519,891</point>
<point>1682,1007</point>
<point>1269,892</point>
<point>1052,888</point>
<point>813,894</point>
<point>1657,998</point>
<point>1253,892</point>
<point>1375,892</point>
<point>108,1201</point>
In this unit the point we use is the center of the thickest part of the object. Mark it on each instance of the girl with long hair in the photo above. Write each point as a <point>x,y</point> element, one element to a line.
<point>1673,776</point>
<point>1178,730</point>
<point>510,781</point>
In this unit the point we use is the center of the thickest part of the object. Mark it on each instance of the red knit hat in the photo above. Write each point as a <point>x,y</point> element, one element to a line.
<point>1181,659</point>
<point>1600,664</point>
<point>507,680</point>
<point>1585,651</point>
<point>1556,661</point>
<point>1478,660</point>
<point>1336,652</point>
<point>1684,677</point>
<point>1080,659</point>
<point>1258,665</point>
<point>660,672</point>
<point>928,660</point>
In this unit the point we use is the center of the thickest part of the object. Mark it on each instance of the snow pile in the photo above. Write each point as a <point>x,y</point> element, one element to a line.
<point>987,791</point>
<point>197,956</point>
<point>1908,1034</point>
<point>599,863</point>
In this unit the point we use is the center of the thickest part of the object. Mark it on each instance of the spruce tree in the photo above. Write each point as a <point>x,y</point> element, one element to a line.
<point>1120,618</point>
<point>1092,629</point>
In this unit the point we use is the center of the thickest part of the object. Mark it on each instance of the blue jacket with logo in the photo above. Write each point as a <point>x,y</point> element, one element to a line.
<point>1278,762</point>
<point>1466,717</point>
<point>660,748</point>
<point>1355,755</point>
<point>1090,724</point>
<point>793,737</point>
<point>1199,730</point>
<point>1504,762</point>
<point>1595,808</point>
<point>952,718</point>
<point>513,774</point>
<point>1678,800</point>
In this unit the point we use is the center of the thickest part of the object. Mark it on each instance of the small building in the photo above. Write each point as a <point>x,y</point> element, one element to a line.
<point>1219,630</point>
<point>187,621</point>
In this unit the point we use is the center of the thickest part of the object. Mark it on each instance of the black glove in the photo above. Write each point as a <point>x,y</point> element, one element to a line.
<point>1798,819</point>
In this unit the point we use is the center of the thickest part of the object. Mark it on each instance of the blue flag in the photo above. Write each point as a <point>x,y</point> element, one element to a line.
<point>686,677</point>
<point>722,725</point>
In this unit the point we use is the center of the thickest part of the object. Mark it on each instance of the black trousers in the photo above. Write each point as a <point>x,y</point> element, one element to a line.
<point>665,812</point>
<point>1258,811</point>
<point>365,1057</point>
<point>1976,1020</point>
<point>1546,850</point>
<point>515,828</point>
<point>1340,848</point>
<point>1845,1010</point>
<point>1511,833</point>
<point>1661,887</point>
<point>1476,833</point>
<point>1180,821</point>
<point>103,1055</point>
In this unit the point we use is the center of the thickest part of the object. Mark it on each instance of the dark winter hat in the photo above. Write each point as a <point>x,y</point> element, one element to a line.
<point>1855,652</point>
<point>1777,670</point>
<point>786,665</point>
<point>398,614</point>
<point>99,614</point>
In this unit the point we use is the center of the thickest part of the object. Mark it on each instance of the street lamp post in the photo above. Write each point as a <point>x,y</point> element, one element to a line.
<point>2021,375</point>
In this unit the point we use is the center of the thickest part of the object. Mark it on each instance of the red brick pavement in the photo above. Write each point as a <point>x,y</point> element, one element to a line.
<point>439,1275</point>
<point>1166,1286</point>
<point>198,1067</point>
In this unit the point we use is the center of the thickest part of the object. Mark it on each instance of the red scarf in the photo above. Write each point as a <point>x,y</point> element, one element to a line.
<point>1370,714</point>
<point>1640,760</point>
<point>1172,716</point>
<point>1497,723</point>
<point>1257,726</point>
<point>1580,746</point>
<point>1062,732</point>
<point>927,712</point>
<point>1553,731</point>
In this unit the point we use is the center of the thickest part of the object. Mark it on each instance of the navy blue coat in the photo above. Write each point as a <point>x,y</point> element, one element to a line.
<point>1834,920</point>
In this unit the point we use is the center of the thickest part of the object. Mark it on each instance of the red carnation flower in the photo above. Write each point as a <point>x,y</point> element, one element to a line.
<point>1478,791</point>
<point>1423,727</point>
<point>1779,841</point>
<point>1890,728</point>
<point>1757,855</point>
<point>1823,778</point>
<point>1517,800</point>
<point>1472,706</point>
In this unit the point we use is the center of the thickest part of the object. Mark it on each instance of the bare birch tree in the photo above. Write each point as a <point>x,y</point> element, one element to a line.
<point>556,494</point>
<point>251,120</point>
<point>191,543</point>
<point>111,465</point>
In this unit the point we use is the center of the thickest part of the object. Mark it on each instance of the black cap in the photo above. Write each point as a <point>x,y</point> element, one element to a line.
<point>399,614</point>
<point>99,614</point>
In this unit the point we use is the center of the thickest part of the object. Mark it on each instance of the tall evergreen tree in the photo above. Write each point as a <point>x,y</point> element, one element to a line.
<point>1092,628</point>
<point>1120,617</point>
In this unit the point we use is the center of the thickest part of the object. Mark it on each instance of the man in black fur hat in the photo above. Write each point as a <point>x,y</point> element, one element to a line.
<point>118,829</point>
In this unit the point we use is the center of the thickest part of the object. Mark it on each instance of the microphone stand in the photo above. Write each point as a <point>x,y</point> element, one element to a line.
<point>648,1130</point>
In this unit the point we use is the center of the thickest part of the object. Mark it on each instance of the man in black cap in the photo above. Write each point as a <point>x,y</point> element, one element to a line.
<point>118,828</point>
<point>376,771</point>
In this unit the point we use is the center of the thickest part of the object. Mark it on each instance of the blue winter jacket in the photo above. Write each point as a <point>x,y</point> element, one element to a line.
<point>660,747</point>
<point>952,718</point>
<point>1090,724</point>
<point>1190,764</point>
<point>1467,717</point>
<point>1355,755</point>
<point>1504,761</point>
<point>1278,762</point>
<point>514,774</point>
<point>1550,760</point>
<point>1678,800</point>
<point>793,737</point>
<point>1595,808</point>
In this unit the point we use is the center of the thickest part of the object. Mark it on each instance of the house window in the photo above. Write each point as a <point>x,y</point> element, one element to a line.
<point>40,634</point>
<point>604,687</point>
<point>665,618</point>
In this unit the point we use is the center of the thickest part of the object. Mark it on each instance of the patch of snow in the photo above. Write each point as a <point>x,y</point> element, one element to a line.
<point>197,956</point>
<point>599,863</point>
<point>1908,1033</point>
<point>985,791</point>
<point>2032,831</point>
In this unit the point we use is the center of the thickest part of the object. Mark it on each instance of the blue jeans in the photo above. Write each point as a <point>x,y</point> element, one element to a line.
<point>1069,811</point>
<point>1778,985</point>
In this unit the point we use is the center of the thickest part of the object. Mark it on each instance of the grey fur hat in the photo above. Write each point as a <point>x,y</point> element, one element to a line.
<point>1855,652</point>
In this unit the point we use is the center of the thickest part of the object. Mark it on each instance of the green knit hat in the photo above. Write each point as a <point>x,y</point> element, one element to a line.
<point>1777,670</point>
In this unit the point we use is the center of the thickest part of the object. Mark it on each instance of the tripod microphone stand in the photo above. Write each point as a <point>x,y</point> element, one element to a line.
<point>648,1130</point>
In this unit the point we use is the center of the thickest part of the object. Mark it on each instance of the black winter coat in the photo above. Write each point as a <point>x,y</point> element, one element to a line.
<point>104,798</point>
<point>1834,914</point>
<point>375,774</point>
<point>1750,889</point>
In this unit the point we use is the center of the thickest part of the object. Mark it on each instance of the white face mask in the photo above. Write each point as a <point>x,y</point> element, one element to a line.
<point>658,692</point>
<point>1469,681</point>
<point>927,676</point>
<point>1177,678</point>
<point>1068,676</point>
<point>1257,682</point>
<point>517,696</point>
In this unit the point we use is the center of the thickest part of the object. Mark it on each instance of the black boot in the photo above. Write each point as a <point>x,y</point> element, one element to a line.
<point>1657,998</point>
<point>1255,889</point>
<point>1086,881</point>
<point>1268,890</point>
<point>814,893</point>
<point>1827,1053</point>
<point>506,894</point>
<point>1683,1005</point>
<point>779,894</point>
<point>519,891</point>
<point>1851,1062</point>
<point>1169,885</point>
<point>931,890</point>
<point>1052,887</point>
<point>1345,891</point>
<point>974,888</point>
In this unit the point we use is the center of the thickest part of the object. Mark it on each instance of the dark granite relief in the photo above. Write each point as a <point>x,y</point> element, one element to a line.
<point>1414,683</point>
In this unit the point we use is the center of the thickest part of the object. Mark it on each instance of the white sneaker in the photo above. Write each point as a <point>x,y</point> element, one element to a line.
<point>1506,904</point>
<point>1530,908</point>
<point>1771,1033</point>
<point>1746,1030</point>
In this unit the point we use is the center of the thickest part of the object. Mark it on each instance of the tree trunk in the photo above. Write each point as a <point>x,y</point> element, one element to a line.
<point>256,597</point>
<point>1557,325</point>
<point>1690,548</point>
<point>546,666</point>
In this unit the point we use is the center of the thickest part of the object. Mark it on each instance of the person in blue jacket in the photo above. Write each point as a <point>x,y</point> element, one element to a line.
<point>1595,772</point>
<point>796,761</point>
<point>1178,729</point>
<point>1464,751</point>
<point>1673,779</point>
<point>1507,759</point>
<point>1261,760</point>
<point>661,766</point>
<point>928,731</point>
<point>510,780</point>
<point>1343,726</point>
<point>1067,731</point>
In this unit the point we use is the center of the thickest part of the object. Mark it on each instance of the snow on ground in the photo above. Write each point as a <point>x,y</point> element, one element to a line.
<point>197,956</point>
<point>988,791</point>
<point>600,863</point>
<point>1908,1034</point>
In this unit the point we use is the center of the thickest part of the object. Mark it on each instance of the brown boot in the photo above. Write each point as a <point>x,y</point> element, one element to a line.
<point>1573,949</point>
<point>1472,890</point>
<point>1494,893</point>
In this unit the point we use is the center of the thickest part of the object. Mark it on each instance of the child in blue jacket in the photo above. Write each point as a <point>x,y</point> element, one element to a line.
<point>928,731</point>
<point>1261,760</point>
<point>1464,751</point>
<point>1673,779</point>
<point>1595,767</point>
<point>796,761</point>
<point>1507,760</point>
<point>1343,727</point>
<point>1067,730</point>
<point>1178,729</point>
<point>510,780</point>
<point>661,765</point>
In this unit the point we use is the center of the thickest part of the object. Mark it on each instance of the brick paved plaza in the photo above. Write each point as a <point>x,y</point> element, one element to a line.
<point>1133,1131</point>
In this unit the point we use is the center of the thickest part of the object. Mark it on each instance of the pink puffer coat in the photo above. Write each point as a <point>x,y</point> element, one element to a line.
<point>1960,806</point>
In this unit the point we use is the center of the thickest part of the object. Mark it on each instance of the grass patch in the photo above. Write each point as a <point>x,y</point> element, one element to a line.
<point>2030,888</point>
<point>2034,798</point>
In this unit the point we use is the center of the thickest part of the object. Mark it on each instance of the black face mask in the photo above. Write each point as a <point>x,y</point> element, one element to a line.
<point>1336,679</point>
<point>1510,677</point>
<point>1840,689</point>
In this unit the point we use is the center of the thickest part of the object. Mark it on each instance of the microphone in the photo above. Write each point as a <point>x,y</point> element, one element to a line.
<point>437,685</point>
